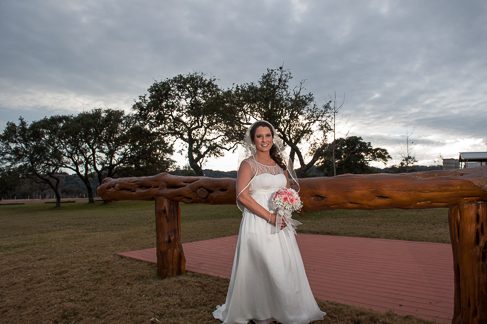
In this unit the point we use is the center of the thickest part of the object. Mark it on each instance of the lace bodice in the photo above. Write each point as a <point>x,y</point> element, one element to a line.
<point>259,168</point>
<point>264,176</point>
<point>265,179</point>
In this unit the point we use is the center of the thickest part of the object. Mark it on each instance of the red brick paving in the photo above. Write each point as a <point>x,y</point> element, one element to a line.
<point>409,278</point>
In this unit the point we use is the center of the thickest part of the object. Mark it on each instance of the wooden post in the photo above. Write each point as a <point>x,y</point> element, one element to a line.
<point>170,255</point>
<point>468,233</point>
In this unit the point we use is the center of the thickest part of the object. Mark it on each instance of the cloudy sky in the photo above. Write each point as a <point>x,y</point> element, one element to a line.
<point>405,67</point>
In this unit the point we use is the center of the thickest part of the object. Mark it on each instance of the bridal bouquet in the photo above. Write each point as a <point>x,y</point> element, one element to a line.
<point>285,201</point>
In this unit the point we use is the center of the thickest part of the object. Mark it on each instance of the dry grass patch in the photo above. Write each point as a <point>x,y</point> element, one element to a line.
<point>423,225</point>
<point>59,265</point>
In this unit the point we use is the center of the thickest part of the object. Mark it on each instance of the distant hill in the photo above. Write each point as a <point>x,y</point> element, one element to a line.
<point>220,174</point>
<point>207,173</point>
<point>415,168</point>
<point>315,173</point>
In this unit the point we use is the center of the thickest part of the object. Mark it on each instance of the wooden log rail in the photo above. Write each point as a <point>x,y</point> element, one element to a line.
<point>463,191</point>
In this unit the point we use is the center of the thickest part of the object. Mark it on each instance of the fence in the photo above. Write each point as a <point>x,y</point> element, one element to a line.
<point>463,191</point>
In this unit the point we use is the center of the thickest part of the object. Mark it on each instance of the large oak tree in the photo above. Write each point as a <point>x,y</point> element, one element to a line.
<point>192,109</point>
<point>104,143</point>
<point>298,120</point>
<point>32,151</point>
<point>352,155</point>
<point>118,145</point>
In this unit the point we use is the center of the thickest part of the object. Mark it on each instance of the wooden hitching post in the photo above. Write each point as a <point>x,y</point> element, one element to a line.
<point>468,233</point>
<point>170,255</point>
<point>465,190</point>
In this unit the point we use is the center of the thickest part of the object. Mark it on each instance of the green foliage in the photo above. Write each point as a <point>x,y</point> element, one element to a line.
<point>407,163</point>
<point>117,144</point>
<point>405,166</point>
<point>93,144</point>
<point>186,171</point>
<point>193,109</point>
<point>32,151</point>
<point>101,143</point>
<point>77,139</point>
<point>352,155</point>
<point>9,180</point>
<point>105,136</point>
<point>145,152</point>
<point>300,123</point>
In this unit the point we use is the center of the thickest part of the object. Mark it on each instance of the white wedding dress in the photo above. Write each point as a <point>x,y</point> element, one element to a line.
<point>268,280</point>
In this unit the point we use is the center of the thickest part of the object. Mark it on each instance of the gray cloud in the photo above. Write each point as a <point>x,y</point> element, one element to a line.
<point>401,64</point>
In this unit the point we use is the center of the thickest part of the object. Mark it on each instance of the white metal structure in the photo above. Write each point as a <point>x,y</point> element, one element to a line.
<point>472,159</point>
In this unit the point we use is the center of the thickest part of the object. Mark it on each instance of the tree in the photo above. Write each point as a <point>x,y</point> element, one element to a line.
<point>99,143</point>
<point>407,163</point>
<point>353,155</point>
<point>32,152</point>
<point>147,152</point>
<point>193,109</point>
<point>9,180</point>
<point>118,144</point>
<point>73,134</point>
<point>300,123</point>
<point>407,154</point>
<point>106,137</point>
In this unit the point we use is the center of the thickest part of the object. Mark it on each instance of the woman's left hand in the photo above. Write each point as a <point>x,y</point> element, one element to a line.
<point>283,222</point>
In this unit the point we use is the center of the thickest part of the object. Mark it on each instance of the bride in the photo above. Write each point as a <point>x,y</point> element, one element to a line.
<point>268,282</point>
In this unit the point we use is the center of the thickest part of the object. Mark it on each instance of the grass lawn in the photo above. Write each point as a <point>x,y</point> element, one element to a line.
<point>59,265</point>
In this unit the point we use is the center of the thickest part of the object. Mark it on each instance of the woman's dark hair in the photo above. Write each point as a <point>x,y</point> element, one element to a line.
<point>274,151</point>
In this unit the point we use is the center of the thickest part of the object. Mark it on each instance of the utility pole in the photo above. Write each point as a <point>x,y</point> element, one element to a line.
<point>335,110</point>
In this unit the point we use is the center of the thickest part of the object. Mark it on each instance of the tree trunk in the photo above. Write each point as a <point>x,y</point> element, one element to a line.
<point>53,183</point>
<point>170,255</point>
<point>91,199</point>
<point>194,165</point>
<point>89,189</point>
<point>58,197</point>
<point>197,169</point>
<point>468,233</point>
